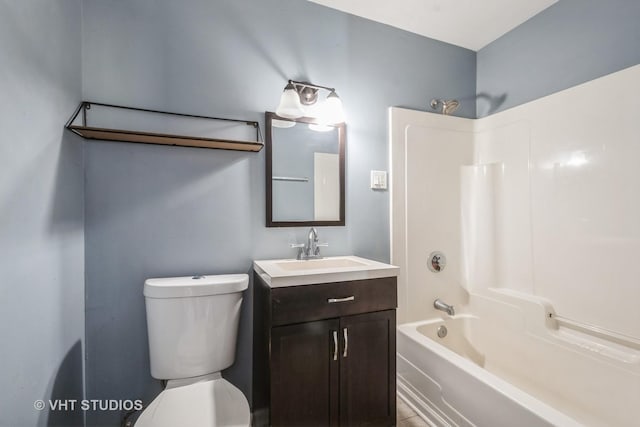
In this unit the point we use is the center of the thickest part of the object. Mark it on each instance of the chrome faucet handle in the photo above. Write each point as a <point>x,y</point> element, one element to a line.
<point>301,248</point>
<point>318,246</point>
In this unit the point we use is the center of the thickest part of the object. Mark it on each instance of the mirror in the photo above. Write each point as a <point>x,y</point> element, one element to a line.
<point>304,172</point>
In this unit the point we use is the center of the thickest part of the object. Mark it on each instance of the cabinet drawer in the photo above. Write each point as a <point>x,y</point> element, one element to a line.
<point>306,303</point>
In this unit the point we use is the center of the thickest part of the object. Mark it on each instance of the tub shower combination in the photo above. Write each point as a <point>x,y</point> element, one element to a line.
<point>499,367</point>
<point>533,319</point>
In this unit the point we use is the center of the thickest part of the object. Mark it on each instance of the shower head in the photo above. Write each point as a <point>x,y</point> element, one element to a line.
<point>448,106</point>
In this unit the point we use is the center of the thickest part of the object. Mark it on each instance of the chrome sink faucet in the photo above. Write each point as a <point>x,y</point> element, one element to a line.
<point>443,306</point>
<point>312,249</point>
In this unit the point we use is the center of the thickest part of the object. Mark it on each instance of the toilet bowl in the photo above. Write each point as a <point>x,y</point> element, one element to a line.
<point>209,400</point>
<point>192,324</point>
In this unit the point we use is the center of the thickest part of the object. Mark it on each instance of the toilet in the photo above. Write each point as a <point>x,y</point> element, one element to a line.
<point>193,324</point>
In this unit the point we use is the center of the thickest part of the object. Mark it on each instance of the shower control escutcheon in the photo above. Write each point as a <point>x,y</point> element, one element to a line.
<point>436,261</point>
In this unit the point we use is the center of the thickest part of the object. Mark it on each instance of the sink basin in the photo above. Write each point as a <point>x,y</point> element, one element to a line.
<point>315,264</point>
<point>291,272</point>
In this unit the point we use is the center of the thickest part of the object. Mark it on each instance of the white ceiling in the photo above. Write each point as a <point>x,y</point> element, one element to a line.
<point>468,23</point>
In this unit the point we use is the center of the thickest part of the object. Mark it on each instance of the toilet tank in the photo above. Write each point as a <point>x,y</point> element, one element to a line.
<point>192,323</point>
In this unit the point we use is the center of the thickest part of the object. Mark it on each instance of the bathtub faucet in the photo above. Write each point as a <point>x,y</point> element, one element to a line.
<point>443,306</point>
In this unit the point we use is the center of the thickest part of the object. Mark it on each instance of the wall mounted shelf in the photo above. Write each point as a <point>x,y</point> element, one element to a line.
<point>105,129</point>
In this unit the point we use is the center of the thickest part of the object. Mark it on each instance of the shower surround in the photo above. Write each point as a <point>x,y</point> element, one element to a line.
<point>537,210</point>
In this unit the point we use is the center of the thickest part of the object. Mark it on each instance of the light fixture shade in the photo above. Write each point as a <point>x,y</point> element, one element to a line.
<point>290,106</point>
<point>333,111</point>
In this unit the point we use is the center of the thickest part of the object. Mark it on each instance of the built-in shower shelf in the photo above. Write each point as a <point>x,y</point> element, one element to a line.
<point>114,133</point>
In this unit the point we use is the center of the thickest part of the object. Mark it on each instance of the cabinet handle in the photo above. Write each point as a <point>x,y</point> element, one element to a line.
<point>335,345</point>
<point>345,299</point>
<point>346,342</point>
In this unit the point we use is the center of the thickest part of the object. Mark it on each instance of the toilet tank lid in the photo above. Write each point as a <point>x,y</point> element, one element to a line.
<point>195,286</point>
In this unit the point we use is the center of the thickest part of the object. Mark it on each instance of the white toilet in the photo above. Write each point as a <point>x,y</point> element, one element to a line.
<point>193,325</point>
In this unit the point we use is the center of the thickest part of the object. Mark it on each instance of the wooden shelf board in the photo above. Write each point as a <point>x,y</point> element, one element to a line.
<point>164,139</point>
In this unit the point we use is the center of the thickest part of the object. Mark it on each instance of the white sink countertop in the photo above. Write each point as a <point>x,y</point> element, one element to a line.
<point>291,272</point>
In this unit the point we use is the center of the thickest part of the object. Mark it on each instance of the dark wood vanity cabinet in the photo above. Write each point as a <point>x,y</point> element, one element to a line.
<point>304,377</point>
<point>322,363</point>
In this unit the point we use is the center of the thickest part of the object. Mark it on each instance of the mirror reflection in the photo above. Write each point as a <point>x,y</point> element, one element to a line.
<point>305,172</point>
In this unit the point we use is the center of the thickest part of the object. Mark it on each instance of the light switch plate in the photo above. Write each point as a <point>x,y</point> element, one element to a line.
<point>379,180</point>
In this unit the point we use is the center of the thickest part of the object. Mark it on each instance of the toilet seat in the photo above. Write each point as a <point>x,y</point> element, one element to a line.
<point>206,401</point>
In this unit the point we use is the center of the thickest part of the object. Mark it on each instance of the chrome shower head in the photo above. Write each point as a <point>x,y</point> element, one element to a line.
<point>448,106</point>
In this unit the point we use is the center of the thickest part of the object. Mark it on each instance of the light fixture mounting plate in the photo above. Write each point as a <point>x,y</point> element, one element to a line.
<point>308,94</point>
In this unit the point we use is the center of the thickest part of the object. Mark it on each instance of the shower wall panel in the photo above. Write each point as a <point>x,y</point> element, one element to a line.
<point>559,219</point>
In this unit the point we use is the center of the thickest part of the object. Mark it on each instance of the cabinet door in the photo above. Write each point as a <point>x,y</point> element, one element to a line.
<point>304,374</point>
<point>368,369</point>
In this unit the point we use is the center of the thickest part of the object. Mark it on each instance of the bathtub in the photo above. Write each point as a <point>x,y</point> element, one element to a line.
<point>500,367</point>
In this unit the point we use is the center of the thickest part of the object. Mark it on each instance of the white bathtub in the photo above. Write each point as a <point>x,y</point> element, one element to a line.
<point>499,368</point>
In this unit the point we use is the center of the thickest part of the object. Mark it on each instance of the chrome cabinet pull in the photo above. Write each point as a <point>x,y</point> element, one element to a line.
<point>335,345</point>
<point>346,342</point>
<point>334,300</point>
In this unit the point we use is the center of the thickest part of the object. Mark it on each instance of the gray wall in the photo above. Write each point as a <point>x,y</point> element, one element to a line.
<point>160,211</point>
<point>41,212</point>
<point>571,42</point>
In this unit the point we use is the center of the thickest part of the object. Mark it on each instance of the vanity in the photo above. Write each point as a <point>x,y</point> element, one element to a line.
<point>324,329</point>
<point>324,342</point>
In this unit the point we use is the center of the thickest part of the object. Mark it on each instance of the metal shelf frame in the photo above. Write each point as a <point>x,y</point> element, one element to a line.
<point>121,135</point>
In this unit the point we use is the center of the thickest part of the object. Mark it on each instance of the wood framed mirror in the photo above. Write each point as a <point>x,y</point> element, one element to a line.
<point>305,172</point>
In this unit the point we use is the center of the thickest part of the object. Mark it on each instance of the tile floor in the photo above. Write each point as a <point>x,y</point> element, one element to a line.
<point>406,417</point>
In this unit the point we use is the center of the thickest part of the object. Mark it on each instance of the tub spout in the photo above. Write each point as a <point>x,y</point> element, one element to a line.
<point>443,306</point>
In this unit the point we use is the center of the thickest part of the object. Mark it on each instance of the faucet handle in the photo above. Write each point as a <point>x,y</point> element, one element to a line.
<point>318,246</point>
<point>301,248</point>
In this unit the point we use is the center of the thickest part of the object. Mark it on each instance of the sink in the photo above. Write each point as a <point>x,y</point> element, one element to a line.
<point>315,264</point>
<point>291,272</point>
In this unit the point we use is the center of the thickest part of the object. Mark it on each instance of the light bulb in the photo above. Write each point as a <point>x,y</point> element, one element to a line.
<point>320,112</point>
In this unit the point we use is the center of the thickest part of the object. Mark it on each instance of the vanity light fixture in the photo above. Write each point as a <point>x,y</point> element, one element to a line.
<point>301,99</point>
